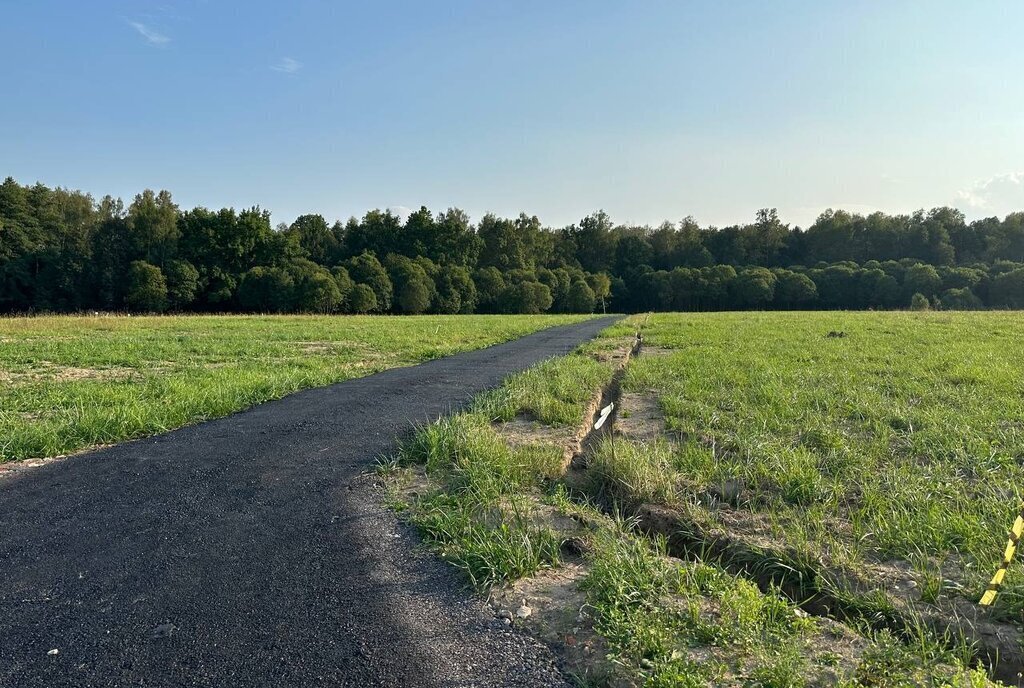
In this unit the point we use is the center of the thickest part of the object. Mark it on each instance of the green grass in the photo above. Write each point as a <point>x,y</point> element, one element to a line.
<point>653,611</point>
<point>68,383</point>
<point>664,621</point>
<point>900,442</point>
<point>478,519</point>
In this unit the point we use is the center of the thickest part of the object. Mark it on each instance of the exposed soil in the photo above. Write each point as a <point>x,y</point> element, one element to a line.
<point>53,372</point>
<point>560,618</point>
<point>640,417</point>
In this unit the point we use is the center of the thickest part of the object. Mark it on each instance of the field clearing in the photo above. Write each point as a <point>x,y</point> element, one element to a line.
<point>72,382</point>
<point>778,499</point>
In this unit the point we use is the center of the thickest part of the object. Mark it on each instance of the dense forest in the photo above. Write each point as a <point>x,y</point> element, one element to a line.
<point>61,250</point>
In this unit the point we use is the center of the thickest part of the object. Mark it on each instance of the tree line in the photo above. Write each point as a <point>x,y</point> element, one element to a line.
<point>63,251</point>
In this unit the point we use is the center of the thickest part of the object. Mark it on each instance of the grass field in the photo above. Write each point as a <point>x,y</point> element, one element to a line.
<point>72,382</point>
<point>899,442</point>
<point>781,498</point>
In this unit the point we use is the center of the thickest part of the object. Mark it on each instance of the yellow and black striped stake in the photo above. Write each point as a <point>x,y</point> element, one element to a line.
<point>1011,546</point>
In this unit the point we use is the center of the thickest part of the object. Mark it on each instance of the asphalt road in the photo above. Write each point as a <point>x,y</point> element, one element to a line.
<point>252,551</point>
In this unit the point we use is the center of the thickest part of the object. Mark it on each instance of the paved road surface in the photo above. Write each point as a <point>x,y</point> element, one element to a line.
<point>246,552</point>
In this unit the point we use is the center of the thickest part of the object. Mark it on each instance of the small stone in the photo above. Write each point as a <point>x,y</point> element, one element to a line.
<point>646,664</point>
<point>504,614</point>
<point>911,583</point>
<point>164,630</point>
<point>524,611</point>
<point>800,613</point>
<point>54,651</point>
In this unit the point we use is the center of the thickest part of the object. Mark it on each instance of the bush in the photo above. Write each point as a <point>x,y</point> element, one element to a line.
<point>919,302</point>
<point>456,292</point>
<point>147,288</point>
<point>922,279</point>
<point>580,298</point>
<point>345,285</point>
<point>754,288</point>
<point>366,269</point>
<point>793,289</point>
<point>362,299</point>
<point>413,288</point>
<point>266,290</point>
<point>317,293</point>
<point>489,287</point>
<point>525,297</point>
<point>1007,289</point>
<point>182,283</point>
<point>960,300</point>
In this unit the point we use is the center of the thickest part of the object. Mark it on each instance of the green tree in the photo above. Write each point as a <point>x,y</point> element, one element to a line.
<point>454,242</point>
<point>147,288</point>
<point>1007,289</point>
<point>489,286</point>
<point>366,269</point>
<point>919,302</point>
<point>456,292</point>
<point>223,245</point>
<point>315,238</point>
<point>525,297</point>
<point>507,243</point>
<point>794,290</point>
<point>601,284</point>
<point>595,243</point>
<point>379,233</point>
<point>631,252</point>
<point>581,298</point>
<point>362,299</point>
<point>345,284</point>
<point>413,288</point>
<point>922,279</point>
<point>960,300</point>
<point>765,240</point>
<point>266,290</point>
<point>182,283</point>
<point>317,293</point>
<point>153,220</point>
<point>754,288</point>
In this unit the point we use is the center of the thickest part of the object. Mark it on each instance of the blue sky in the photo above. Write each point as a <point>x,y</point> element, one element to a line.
<point>650,110</point>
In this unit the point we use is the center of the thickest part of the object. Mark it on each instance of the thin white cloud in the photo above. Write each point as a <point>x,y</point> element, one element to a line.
<point>401,211</point>
<point>1000,194</point>
<point>152,36</point>
<point>287,65</point>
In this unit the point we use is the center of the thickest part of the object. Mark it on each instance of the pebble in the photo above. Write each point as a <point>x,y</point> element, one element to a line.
<point>524,611</point>
<point>54,651</point>
<point>164,630</point>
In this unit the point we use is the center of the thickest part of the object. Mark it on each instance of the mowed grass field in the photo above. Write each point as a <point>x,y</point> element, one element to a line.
<point>67,383</point>
<point>782,499</point>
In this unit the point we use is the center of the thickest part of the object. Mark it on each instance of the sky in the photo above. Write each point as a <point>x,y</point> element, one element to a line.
<point>650,110</point>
